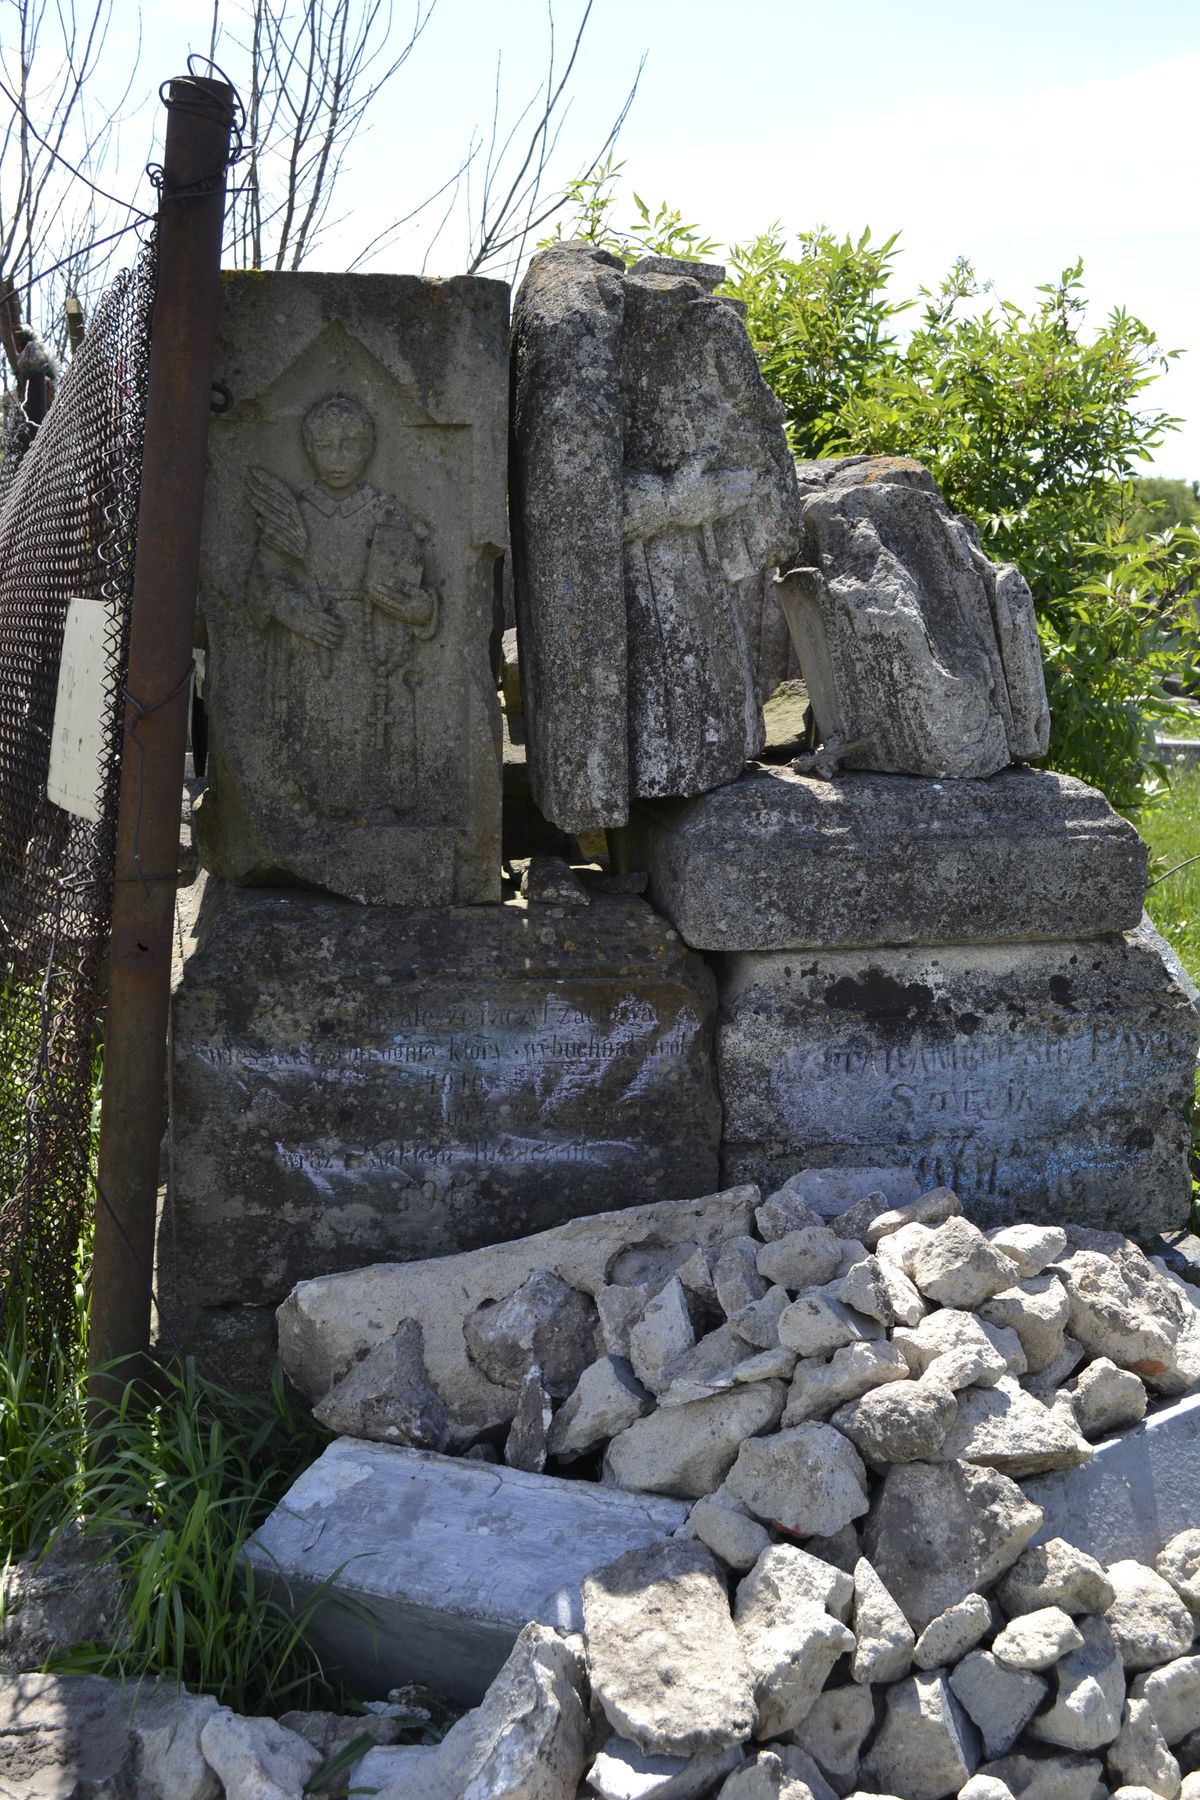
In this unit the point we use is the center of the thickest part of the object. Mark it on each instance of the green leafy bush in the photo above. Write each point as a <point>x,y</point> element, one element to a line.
<point>1032,422</point>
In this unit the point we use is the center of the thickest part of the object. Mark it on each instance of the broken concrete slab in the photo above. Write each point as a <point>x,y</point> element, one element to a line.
<point>325,1325</point>
<point>779,861</point>
<point>1134,1495</point>
<point>449,1557</point>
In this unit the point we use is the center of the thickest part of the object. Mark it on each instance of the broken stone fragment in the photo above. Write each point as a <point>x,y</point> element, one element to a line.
<point>623,1772</point>
<point>256,1756</point>
<point>831,1192</point>
<point>549,881</point>
<point>388,1396</point>
<point>954,1263</point>
<point>834,1730</point>
<point>785,1577</point>
<point>528,1735</point>
<point>782,1212</point>
<point>1000,1701</point>
<point>1179,1563</point>
<point>931,1208</point>
<point>940,1531</point>
<point>947,1638</point>
<point>606,1399</point>
<point>800,1259</point>
<point>1055,1574</point>
<point>1030,1247</point>
<point>1090,1701</point>
<point>808,1480</point>
<point>1010,1430</point>
<point>545,1322</point>
<point>1107,1399</point>
<point>720,1361</point>
<point>789,1640</point>
<point>841,1549</point>
<point>863,1288</point>
<point>525,1445</point>
<point>908,1306</point>
<point>1048,1777</point>
<point>952,1329</point>
<point>736,1277</point>
<point>661,1336</point>
<point>813,1325</point>
<point>1172,1692</point>
<point>927,1747</point>
<point>729,1531</point>
<point>769,1776</point>
<point>1124,1309</point>
<point>1036,1309</point>
<point>619,1306</point>
<point>1036,1640</point>
<point>687,1450</point>
<point>901,1423</point>
<point>1149,1622</point>
<point>1139,1755</point>
<point>70,1593</point>
<point>818,1387</point>
<point>758,1323</point>
<point>665,1660</point>
<point>1046,1383</point>
<point>884,1637</point>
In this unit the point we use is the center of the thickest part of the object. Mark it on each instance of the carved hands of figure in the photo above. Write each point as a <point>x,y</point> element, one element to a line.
<point>415,607</point>
<point>282,531</point>
<point>693,497</point>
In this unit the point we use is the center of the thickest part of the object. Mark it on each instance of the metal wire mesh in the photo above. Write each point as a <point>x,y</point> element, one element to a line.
<point>69,491</point>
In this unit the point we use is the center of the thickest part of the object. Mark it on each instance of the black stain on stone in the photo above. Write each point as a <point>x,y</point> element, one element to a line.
<point>1060,990</point>
<point>879,995</point>
<point>969,1022</point>
<point>1140,1138</point>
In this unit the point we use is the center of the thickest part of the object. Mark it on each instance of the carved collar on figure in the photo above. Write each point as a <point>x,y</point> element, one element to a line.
<point>341,506</point>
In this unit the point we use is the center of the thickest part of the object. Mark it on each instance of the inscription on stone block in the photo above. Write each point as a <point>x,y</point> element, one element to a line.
<point>354,515</point>
<point>352,1088</point>
<point>1040,1080</point>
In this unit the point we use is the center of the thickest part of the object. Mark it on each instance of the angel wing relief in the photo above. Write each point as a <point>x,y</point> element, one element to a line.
<point>283,587</point>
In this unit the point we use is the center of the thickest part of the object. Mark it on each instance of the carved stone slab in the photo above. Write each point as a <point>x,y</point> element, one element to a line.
<point>1042,1081</point>
<point>651,488</point>
<point>356,1086</point>
<point>915,647</point>
<point>353,526</point>
<point>777,861</point>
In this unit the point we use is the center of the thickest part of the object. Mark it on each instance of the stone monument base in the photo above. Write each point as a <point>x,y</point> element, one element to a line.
<point>1049,1081</point>
<point>777,861</point>
<point>353,1086</point>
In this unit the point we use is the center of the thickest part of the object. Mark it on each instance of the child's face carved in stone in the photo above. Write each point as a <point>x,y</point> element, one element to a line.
<point>340,445</point>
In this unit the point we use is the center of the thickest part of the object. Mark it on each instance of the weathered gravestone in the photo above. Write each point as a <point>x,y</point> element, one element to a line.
<point>354,524</point>
<point>1047,1081</point>
<point>920,655</point>
<point>651,487</point>
<point>357,1085</point>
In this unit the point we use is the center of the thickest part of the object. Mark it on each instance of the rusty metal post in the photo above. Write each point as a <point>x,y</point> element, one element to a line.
<point>182,335</point>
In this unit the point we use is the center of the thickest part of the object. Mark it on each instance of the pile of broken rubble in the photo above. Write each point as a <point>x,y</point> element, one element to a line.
<point>850,1383</point>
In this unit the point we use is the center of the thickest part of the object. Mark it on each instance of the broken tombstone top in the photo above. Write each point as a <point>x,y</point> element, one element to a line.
<point>920,655</point>
<point>353,524</point>
<point>651,487</point>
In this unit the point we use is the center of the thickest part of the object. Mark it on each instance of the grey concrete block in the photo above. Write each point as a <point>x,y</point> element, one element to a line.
<point>778,861</point>
<point>1138,1491</point>
<point>441,1560</point>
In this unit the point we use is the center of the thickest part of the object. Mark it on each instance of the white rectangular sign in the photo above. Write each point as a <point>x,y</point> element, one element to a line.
<point>80,738</point>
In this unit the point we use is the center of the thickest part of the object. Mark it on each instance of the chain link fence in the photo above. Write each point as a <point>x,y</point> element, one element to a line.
<point>69,492</point>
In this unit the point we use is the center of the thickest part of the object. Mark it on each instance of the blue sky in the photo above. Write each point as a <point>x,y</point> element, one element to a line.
<point>1019,136</point>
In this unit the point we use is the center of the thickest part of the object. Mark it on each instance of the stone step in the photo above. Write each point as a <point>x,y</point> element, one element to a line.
<point>433,1564</point>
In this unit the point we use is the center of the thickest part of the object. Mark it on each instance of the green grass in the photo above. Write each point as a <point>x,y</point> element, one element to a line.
<point>177,1486</point>
<point>1172,830</point>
